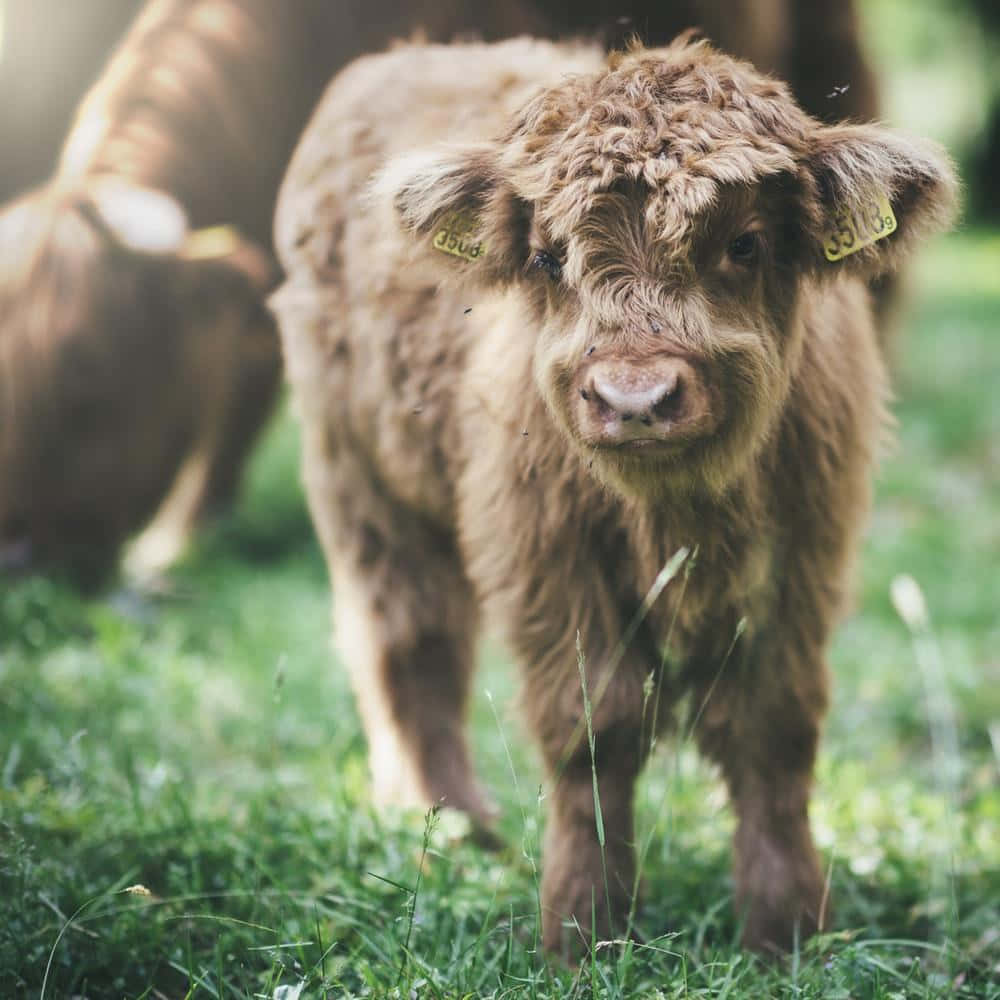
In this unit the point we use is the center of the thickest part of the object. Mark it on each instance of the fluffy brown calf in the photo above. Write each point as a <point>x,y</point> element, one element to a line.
<point>640,348</point>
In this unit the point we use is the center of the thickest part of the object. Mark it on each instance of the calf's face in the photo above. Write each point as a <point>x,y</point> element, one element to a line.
<point>665,361</point>
<point>662,223</point>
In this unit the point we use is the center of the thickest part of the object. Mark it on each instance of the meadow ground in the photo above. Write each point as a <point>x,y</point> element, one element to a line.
<point>204,745</point>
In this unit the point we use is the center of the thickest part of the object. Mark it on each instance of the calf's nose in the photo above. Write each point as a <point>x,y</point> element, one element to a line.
<point>651,394</point>
<point>629,398</point>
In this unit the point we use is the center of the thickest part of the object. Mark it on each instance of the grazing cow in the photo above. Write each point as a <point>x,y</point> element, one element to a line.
<point>139,371</point>
<point>111,291</point>
<point>107,303</point>
<point>591,318</point>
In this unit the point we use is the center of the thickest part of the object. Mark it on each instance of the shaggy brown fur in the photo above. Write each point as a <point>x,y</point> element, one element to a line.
<point>815,46</point>
<point>622,372</point>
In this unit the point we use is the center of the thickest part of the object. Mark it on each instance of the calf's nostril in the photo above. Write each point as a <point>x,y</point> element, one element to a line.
<point>669,404</point>
<point>646,397</point>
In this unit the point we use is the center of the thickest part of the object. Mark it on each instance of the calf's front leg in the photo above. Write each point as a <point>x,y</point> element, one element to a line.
<point>587,885</point>
<point>760,721</point>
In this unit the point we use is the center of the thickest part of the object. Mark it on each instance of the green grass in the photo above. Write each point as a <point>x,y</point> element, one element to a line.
<point>206,746</point>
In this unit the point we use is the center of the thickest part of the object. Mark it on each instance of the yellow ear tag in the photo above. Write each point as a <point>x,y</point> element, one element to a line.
<point>210,243</point>
<point>455,235</point>
<point>856,230</point>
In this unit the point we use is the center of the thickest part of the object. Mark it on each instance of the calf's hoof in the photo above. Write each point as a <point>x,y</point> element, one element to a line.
<point>580,907</point>
<point>778,921</point>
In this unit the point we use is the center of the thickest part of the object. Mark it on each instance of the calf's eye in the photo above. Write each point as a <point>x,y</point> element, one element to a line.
<point>744,248</point>
<point>542,260</point>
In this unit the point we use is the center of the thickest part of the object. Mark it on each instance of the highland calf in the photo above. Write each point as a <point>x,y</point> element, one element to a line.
<point>641,347</point>
<point>591,314</point>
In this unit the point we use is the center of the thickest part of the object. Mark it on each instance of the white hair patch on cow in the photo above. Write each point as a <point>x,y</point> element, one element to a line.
<point>142,219</point>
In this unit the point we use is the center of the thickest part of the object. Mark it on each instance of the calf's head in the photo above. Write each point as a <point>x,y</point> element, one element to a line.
<point>662,223</point>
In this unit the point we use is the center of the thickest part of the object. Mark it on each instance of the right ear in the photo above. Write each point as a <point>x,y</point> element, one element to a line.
<point>879,194</point>
<point>454,201</point>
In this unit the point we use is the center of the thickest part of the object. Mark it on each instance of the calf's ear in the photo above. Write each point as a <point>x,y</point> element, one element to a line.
<point>878,194</point>
<point>453,204</point>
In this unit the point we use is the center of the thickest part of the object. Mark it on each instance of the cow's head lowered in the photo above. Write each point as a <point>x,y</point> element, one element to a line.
<point>112,336</point>
<point>661,222</point>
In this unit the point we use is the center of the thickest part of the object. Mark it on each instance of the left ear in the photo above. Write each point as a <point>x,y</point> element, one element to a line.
<point>878,194</point>
<point>455,209</point>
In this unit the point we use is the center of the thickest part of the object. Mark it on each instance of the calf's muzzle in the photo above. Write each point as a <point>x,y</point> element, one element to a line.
<point>630,404</point>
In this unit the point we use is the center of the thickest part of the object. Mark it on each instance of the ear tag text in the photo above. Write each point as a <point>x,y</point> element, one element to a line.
<point>853,231</point>
<point>455,235</point>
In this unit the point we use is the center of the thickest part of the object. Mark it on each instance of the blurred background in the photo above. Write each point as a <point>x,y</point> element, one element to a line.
<point>938,64</point>
<point>50,54</point>
<point>939,68</point>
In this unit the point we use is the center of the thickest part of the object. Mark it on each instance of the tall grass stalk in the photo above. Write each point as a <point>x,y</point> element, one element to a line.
<point>526,845</point>
<point>683,740</point>
<point>664,577</point>
<point>132,890</point>
<point>430,822</point>
<point>598,815</point>
<point>908,600</point>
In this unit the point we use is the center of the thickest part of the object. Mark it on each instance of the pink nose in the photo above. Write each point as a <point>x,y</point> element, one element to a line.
<point>628,401</point>
<point>634,396</point>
